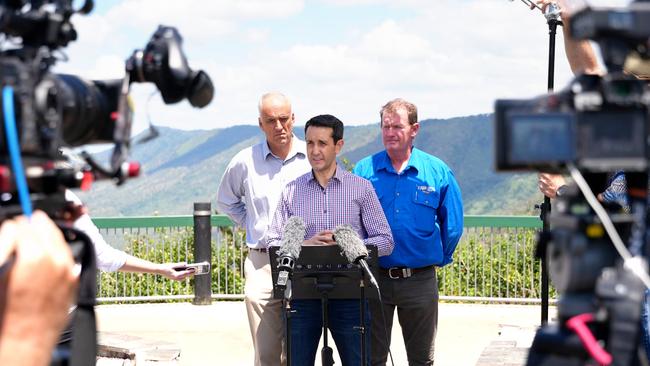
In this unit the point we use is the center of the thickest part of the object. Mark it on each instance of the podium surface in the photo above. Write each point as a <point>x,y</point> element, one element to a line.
<point>324,266</point>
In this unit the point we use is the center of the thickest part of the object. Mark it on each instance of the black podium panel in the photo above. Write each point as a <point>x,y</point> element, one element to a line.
<point>324,268</point>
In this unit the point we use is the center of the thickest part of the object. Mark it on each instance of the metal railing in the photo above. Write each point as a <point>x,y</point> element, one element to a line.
<point>494,261</point>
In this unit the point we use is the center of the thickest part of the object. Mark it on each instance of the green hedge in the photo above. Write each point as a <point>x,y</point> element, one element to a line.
<point>487,263</point>
<point>163,246</point>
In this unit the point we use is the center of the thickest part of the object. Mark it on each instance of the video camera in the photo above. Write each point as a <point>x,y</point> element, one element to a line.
<point>574,125</point>
<point>57,110</point>
<point>595,127</point>
<point>44,113</point>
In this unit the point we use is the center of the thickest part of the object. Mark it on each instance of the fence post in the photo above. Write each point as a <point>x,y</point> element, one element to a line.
<point>202,252</point>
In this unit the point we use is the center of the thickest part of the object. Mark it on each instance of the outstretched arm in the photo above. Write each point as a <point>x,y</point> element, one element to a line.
<point>580,53</point>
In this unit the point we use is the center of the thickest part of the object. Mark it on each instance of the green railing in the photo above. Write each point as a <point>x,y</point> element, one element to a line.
<point>493,262</point>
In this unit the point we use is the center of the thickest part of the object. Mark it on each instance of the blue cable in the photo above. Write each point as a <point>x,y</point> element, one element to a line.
<point>14,149</point>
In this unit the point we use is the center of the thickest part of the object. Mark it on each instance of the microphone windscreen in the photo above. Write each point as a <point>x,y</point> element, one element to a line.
<point>351,244</point>
<point>294,235</point>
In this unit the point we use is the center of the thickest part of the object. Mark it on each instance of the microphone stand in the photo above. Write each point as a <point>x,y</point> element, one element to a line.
<point>327,353</point>
<point>553,20</point>
<point>362,314</point>
<point>286,304</point>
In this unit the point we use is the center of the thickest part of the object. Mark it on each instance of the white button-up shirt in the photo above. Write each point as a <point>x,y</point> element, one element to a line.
<point>252,183</point>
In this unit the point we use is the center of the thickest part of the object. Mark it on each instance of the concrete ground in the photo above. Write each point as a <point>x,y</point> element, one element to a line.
<point>218,334</point>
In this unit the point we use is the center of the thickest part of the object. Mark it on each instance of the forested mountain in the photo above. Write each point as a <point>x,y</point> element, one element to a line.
<point>182,167</point>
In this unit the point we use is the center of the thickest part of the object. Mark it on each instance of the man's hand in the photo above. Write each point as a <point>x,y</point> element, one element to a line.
<point>325,237</point>
<point>37,290</point>
<point>550,183</point>
<point>167,270</point>
<point>562,4</point>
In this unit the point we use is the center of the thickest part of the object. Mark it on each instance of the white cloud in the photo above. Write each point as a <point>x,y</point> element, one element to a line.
<point>200,19</point>
<point>257,35</point>
<point>451,57</point>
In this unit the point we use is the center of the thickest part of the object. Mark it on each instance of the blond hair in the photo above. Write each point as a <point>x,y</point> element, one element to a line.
<point>398,103</point>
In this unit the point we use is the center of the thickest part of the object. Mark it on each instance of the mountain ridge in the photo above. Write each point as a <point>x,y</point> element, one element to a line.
<point>181,167</point>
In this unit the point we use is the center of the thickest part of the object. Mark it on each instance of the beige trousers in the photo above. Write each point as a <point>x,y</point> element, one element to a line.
<point>264,313</point>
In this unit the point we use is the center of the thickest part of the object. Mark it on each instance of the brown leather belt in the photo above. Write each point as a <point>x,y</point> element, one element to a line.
<point>403,272</point>
<point>261,250</point>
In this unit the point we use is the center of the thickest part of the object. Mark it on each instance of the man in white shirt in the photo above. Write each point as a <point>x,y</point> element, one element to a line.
<point>249,193</point>
<point>110,259</point>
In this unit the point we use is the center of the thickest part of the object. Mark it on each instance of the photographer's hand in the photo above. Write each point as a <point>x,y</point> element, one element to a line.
<point>36,292</point>
<point>550,183</point>
<point>543,4</point>
<point>580,53</point>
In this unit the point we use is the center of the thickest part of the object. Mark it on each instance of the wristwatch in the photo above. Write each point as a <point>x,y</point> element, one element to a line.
<point>561,191</point>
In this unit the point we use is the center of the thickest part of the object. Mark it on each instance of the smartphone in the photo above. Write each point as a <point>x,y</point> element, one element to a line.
<point>198,268</point>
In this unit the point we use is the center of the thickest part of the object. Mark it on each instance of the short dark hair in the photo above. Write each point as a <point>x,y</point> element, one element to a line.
<point>327,120</point>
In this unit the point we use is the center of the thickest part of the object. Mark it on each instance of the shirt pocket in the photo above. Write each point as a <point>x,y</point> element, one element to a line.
<point>425,208</point>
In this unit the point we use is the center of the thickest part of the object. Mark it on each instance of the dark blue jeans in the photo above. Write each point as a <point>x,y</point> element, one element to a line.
<point>343,320</point>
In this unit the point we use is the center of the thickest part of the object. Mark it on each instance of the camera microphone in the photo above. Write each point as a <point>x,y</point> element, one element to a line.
<point>354,249</point>
<point>294,235</point>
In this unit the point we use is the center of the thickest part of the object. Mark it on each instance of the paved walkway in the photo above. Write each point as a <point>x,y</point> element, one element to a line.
<point>468,335</point>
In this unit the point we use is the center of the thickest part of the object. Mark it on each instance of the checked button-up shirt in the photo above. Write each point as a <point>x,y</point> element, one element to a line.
<point>347,199</point>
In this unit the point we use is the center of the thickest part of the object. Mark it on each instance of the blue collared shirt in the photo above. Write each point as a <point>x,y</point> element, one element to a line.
<point>423,207</point>
<point>252,183</point>
<point>347,199</point>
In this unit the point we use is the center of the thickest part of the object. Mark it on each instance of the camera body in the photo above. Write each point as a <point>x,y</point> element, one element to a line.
<point>57,111</point>
<point>598,125</point>
<point>44,113</point>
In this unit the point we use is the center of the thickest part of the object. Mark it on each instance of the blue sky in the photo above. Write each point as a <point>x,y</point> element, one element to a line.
<point>343,57</point>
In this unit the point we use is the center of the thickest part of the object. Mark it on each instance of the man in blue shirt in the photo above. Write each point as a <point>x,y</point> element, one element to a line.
<point>422,202</point>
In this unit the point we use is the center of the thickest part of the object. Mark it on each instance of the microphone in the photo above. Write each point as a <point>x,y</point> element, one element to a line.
<point>353,249</point>
<point>290,245</point>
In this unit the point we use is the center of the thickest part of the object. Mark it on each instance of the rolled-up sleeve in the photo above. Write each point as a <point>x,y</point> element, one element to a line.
<point>451,218</point>
<point>230,195</point>
<point>375,224</point>
<point>280,217</point>
<point>109,259</point>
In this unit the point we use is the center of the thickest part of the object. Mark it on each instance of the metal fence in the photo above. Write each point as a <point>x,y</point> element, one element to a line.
<point>494,261</point>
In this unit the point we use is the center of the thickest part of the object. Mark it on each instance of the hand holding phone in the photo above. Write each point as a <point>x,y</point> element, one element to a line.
<point>197,268</point>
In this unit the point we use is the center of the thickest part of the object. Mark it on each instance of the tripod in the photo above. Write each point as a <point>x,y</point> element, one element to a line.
<point>552,16</point>
<point>552,19</point>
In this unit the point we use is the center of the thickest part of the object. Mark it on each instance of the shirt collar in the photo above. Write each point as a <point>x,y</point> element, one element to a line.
<point>338,174</point>
<point>297,147</point>
<point>386,164</point>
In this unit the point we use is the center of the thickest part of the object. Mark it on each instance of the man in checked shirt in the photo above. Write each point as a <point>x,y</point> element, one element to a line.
<point>324,198</point>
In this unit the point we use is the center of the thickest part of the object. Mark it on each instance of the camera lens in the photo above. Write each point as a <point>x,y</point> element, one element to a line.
<point>88,108</point>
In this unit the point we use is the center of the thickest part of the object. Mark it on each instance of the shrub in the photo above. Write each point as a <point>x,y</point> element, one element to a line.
<point>164,246</point>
